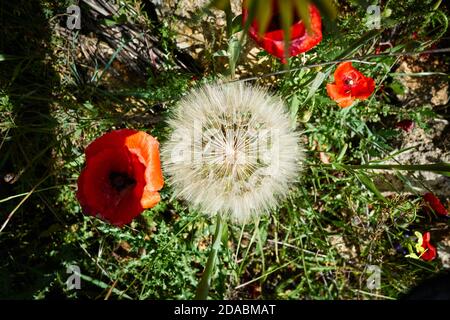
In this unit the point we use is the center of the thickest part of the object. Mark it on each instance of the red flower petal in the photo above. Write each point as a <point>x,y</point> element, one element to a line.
<point>364,88</point>
<point>273,40</point>
<point>426,238</point>
<point>430,253</point>
<point>343,70</point>
<point>435,204</point>
<point>147,149</point>
<point>111,139</point>
<point>335,92</point>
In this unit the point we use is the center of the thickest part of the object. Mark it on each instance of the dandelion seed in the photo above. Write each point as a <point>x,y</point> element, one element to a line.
<point>232,151</point>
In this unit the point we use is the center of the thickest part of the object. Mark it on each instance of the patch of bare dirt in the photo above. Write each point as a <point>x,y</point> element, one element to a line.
<point>424,81</point>
<point>424,147</point>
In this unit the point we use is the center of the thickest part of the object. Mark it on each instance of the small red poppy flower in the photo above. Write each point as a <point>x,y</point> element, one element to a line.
<point>273,39</point>
<point>435,204</point>
<point>405,125</point>
<point>122,176</point>
<point>349,85</point>
<point>430,250</point>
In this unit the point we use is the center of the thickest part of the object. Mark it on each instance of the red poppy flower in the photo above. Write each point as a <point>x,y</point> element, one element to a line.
<point>435,204</point>
<point>430,250</point>
<point>273,39</point>
<point>349,85</point>
<point>122,176</point>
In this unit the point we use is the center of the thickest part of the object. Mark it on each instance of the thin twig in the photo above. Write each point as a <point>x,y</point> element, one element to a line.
<point>359,59</point>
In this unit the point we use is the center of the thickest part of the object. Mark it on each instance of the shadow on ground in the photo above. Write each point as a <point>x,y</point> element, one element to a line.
<point>27,138</point>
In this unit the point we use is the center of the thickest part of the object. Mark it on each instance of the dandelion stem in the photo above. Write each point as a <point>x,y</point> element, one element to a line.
<point>205,282</point>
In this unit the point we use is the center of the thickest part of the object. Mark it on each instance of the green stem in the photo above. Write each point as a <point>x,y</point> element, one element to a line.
<point>229,19</point>
<point>436,167</point>
<point>205,282</point>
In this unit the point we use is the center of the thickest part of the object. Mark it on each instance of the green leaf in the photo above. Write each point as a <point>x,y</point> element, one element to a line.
<point>295,104</point>
<point>366,37</point>
<point>327,8</point>
<point>285,8</point>
<point>302,7</point>
<point>105,286</point>
<point>315,85</point>
<point>264,12</point>
<point>234,50</point>
<point>397,87</point>
<point>220,53</point>
<point>6,57</point>
<point>236,24</point>
<point>370,185</point>
<point>220,4</point>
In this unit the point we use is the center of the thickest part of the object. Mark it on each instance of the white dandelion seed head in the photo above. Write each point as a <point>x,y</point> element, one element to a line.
<point>232,151</point>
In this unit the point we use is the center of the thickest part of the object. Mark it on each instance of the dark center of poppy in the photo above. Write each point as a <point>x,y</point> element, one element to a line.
<point>120,180</point>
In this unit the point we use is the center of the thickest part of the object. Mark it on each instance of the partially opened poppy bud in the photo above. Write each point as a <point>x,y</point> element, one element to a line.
<point>349,84</point>
<point>272,40</point>
<point>122,176</point>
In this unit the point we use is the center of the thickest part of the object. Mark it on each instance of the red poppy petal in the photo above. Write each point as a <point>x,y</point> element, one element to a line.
<point>335,92</point>
<point>81,194</point>
<point>100,198</point>
<point>146,148</point>
<point>364,88</point>
<point>111,139</point>
<point>149,199</point>
<point>341,72</point>
<point>430,253</point>
<point>426,237</point>
<point>435,204</point>
<point>345,102</point>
